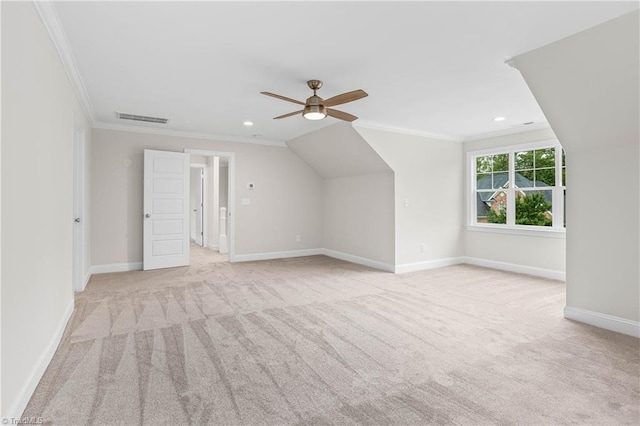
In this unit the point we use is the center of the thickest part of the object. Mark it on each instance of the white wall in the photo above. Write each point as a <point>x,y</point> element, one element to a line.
<point>286,201</point>
<point>358,217</point>
<point>39,105</point>
<point>540,254</point>
<point>587,85</point>
<point>429,176</point>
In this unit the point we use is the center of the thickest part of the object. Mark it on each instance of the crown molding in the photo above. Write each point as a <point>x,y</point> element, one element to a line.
<point>58,37</point>
<point>184,134</point>
<point>384,128</point>
<point>508,131</point>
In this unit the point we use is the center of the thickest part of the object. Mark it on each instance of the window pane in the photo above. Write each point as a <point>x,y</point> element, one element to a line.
<point>563,159</point>
<point>545,177</point>
<point>501,163</point>
<point>500,180</point>
<point>534,208</point>
<point>491,207</point>
<point>483,181</point>
<point>524,178</point>
<point>483,164</point>
<point>545,158</point>
<point>564,176</point>
<point>524,160</point>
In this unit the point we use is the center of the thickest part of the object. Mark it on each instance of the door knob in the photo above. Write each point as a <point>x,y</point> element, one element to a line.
<point>147,215</point>
<point>76,220</point>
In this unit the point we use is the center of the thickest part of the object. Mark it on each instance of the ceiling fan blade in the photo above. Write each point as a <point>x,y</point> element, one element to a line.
<point>284,98</point>
<point>288,115</point>
<point>345,97</point>
<point>341,115</point>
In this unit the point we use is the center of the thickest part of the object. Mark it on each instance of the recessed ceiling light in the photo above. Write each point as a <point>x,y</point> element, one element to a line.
<point>248,123</point>
<point>499,119</point>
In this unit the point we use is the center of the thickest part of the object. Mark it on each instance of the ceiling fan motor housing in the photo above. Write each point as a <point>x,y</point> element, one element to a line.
<point>315,100</point>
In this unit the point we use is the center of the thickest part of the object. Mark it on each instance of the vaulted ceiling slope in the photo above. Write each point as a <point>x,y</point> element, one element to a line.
<point>338,151</point>
<point>435,68</point>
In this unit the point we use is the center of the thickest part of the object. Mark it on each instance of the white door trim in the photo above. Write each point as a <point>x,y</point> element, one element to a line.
<point>79,141</point>
<point>231,196</point>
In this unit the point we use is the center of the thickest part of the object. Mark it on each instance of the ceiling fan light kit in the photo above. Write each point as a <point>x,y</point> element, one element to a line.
<point>314,112</point>
<point>316,108</point>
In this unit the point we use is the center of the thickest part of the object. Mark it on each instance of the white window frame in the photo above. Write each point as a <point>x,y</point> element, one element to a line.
<point>557,230</point>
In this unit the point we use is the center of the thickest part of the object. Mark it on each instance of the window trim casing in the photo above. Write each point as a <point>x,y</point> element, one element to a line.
<point>557,230</point>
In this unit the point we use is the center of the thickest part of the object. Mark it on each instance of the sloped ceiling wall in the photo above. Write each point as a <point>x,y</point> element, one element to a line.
<point>587,87</point>
<point>338,151</point>
<point>357,198</point>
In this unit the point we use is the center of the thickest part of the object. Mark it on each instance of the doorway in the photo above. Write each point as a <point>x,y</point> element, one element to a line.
<point>197,204</point>
<point>212,224</point>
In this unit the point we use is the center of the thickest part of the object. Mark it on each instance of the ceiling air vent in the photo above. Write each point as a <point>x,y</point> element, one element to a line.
<point>134,117</point>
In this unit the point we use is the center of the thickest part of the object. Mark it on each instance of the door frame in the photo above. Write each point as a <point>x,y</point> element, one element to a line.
<point>203,184</point>
<point>231,185</point>
<point>79,280</point>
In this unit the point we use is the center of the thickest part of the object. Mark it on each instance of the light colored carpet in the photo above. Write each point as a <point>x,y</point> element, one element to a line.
<point>319,341</point>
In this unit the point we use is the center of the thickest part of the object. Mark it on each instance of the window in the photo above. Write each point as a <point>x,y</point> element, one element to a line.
<point>520,187</point>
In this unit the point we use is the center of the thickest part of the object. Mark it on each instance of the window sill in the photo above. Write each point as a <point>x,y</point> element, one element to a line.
<point>519,230</point>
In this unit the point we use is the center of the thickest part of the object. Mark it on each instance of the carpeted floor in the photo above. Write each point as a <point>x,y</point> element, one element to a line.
<point>319,341</point>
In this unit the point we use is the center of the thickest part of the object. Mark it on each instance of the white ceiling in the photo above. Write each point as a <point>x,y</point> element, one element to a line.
<point>429,67</point>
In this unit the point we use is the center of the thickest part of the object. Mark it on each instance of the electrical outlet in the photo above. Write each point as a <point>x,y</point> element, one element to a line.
<point>423,247</point>
<point>298,238</point>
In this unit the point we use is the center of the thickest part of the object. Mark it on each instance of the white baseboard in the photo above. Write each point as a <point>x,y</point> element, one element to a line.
<point>608,322</point>
<point>513,267</point>
<point>359,260</point>
<point>212,246</point>
<point>428,264</point>
<point>275,255</point>
<point>115,267</point>
<point>87,277</point>
<point>25,393</point>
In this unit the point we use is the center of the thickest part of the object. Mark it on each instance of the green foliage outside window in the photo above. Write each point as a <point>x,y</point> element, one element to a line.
<point>493,217</point>
<point>532,210</point>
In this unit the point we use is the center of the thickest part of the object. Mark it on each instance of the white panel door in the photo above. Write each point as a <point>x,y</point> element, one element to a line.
<point>166,209</point>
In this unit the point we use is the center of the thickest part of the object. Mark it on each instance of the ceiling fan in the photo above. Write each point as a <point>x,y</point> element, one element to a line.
<point>317,108</point>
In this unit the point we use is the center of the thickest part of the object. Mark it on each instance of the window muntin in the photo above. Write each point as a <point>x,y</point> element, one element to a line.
<point>538,175</point>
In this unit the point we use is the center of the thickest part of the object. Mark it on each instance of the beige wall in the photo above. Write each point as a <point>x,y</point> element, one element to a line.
<point>544,253</point>
<point>357,201</point>
<point>428,175</point>
<point>38,112</point>
<point>358,216</point>
<point>286,201</point>
<point>587,85</point>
